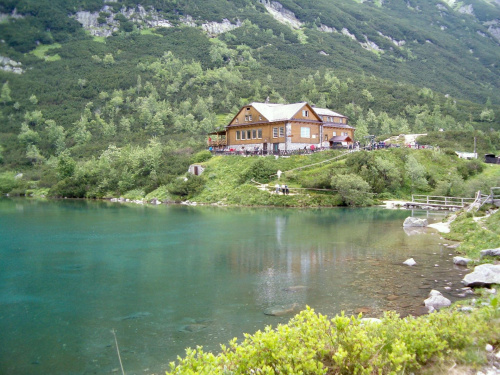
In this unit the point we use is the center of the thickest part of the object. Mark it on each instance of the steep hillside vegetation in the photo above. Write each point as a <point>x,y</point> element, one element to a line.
<point>85,77</point>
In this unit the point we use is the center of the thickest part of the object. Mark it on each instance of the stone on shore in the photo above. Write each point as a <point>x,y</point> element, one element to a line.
<point>490,253</point>
<point>436,301</point>
<point>414,222</point>
<point>410,262</point>
<point>484,274</point>
<point>461,261</point>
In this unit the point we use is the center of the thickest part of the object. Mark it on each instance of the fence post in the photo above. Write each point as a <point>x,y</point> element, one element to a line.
<point>427,199</point>
<point>445,201</point>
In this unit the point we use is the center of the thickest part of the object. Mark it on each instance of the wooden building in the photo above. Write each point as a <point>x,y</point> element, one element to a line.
<point>278,128</point>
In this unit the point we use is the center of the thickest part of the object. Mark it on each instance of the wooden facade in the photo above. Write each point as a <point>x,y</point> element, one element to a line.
<point>273,127</point>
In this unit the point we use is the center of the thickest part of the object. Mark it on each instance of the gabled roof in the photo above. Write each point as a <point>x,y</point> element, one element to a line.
<point>326,112</point>
<point>341,138</point>
<point>278,112</point>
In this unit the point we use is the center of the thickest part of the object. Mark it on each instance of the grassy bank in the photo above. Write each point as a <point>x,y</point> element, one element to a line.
<point>359,178</point>
<point>475,233</point>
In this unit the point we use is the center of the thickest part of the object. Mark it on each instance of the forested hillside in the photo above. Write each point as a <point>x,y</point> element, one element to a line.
<point>86,81</point>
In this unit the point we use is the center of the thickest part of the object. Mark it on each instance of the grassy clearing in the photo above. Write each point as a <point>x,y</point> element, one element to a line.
<point>42,50</point>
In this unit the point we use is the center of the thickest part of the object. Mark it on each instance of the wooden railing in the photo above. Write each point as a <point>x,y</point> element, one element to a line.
<point>440,201</point>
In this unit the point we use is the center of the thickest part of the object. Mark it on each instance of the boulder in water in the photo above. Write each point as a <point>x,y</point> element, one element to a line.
<point>414,222</point>
<point>281,310</point>
<point>461,261</point>
<point>410,262</point>
<point>436,301</point>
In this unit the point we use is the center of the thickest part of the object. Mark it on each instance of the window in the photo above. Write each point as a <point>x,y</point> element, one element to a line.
<point>275,132</point>
<point>254,134</point>
<point>236,120</point>
<point>249,134</point>
<point>326,137</point>
<point>260,118</point>
<point>248,108</point>
<point>243,135</point>
<point>305,113</point>
<point>246,118</point>
<point>259,133</point>
<point>237,134</point>
<point>334,134</point>
<point>249,117</point>
<point>282,131</point>
<point>305,132</point>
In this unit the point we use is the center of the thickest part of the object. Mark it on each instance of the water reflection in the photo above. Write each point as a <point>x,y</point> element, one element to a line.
<point>169,277</point>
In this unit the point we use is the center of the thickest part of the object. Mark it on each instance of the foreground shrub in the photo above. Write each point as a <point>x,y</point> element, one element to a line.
<point>313,344</point>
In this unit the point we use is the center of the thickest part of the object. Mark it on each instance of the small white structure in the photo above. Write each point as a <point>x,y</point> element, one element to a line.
<point>466,155</point>
<point>196,169</point>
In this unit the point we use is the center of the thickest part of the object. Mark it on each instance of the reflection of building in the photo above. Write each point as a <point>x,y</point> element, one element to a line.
<point>270,127</point>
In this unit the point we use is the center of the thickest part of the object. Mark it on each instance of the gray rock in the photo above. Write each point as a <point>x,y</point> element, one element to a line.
<point>461,261</point>
<point>436,301</point>
<point>414,222</point>
<point>281,310</point>
<point>485,274</point>
<point>410,262</point>
<point>490,253</point>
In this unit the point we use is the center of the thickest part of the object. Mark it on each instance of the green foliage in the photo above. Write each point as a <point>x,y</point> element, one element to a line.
<point>188,187</point>
<point>353,189</point>
<point>8,182</point>
<point>475,236</point>
<point>201,157</point>
<point>261,170</point>
<point>313,344</point>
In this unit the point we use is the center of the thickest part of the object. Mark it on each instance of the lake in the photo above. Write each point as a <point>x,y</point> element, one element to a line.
<point>168,277</point>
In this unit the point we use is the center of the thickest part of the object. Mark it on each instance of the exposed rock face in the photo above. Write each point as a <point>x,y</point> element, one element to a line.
<point>485,274</point>
<point>215,28</point>
<point>414,222</point>
<point>327,29</point>
<point>490,253</point>
<point>139,15</point>
<point>282,14</point>
<point>466,9</point>
<point>460,261</point>
<point>9,65</point>
<point>436,301</point>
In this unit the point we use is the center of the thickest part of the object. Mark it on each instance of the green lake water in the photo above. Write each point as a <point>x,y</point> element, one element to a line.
<point>168,277</point>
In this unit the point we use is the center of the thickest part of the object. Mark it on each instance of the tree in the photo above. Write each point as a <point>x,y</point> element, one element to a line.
<point>28,136</point>
<point>65,165</point>
<point>34,155</point>
<point>353,189</point>
<point>415,172</point>
<point>56,136</point>
<point>5,93</point>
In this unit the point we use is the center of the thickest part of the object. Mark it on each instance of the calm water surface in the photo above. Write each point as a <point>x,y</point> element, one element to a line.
<point>165,278</point>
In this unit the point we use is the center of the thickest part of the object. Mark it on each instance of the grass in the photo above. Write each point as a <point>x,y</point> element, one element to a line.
<point>99,39</point>
<point>150,32</point>
<point>42,50</point>
<point>475,236</point>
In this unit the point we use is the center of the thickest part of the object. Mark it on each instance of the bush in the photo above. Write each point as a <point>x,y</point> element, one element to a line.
<point>353,189</point>
<point>8,182</point>
<point>201,156</point>
<point>313,344</point>
<point>187,188</point>
<point>261,171</point>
